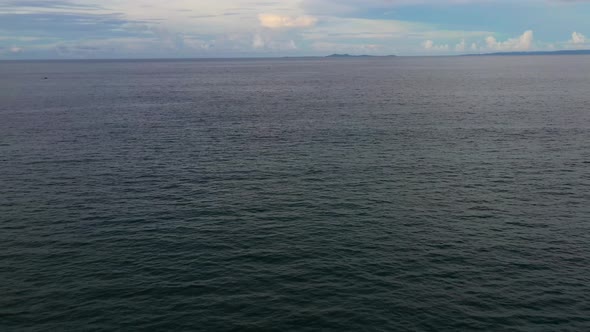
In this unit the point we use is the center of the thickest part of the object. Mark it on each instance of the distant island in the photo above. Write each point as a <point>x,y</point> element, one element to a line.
<point>561,52</point>
<point>358,56</point>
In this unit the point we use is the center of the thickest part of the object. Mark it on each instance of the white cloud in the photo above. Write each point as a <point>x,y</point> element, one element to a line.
<point>245,27</point>
<point>430,45</point>
<point>578,38</point>
<point>274,21</point>
<point>269,41</point>
<point>258,41</point>
<point>461,46</point>
<point>15,50</point>
<point>522,43</point>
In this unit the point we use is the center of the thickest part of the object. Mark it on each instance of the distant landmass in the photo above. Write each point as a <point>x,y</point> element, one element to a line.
<point>561,52</point>
<point>357,56</point>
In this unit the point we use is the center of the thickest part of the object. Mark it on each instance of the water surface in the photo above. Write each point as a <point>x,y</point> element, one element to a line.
<point>422,194</point>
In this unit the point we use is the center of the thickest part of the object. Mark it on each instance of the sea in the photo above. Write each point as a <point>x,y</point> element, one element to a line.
<point>311,194</point>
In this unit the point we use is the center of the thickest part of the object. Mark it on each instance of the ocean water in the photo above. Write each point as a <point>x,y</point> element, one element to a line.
<point>404,194</point>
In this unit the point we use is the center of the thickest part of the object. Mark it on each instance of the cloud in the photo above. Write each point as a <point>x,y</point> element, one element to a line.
<point>432,46</point>
<point>41,4</point>
<point>578,38</point>
<point>15,50</point>
<point>227,28</point>
<point>461,46</point>
<point>577,41</point>
<point>273,43</point>
<point>258,41</point>
<point>11,51</point>
<point>274,21</point>
<point>348,7</point>
<point>522,43</point>
<point>67,25</point>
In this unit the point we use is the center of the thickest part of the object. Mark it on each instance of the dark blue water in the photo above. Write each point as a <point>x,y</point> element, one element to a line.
<point>419,194</point>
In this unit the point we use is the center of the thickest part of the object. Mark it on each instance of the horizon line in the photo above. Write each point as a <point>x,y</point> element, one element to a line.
<point>331,56</point>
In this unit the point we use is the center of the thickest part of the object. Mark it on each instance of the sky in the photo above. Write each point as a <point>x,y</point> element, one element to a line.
<point>67,29</point>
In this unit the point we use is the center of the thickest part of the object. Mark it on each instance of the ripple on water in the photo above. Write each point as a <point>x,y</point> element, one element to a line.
<point>436,194</point>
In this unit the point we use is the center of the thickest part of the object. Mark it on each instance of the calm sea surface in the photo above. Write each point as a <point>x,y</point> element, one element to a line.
<point>404,194</point>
